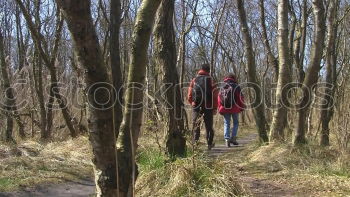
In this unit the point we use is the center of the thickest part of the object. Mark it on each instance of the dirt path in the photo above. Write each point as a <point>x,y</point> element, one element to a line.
<point>256,186</point>
<point>83,188</point>
<point>221,149</point>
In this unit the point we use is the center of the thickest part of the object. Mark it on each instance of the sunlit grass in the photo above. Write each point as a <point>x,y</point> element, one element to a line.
<point>35,163</point>
<point>316,170</point>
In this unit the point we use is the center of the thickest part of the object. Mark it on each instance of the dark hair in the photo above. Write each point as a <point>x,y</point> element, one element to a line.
<point>231,75</point>
<point>205,67</point>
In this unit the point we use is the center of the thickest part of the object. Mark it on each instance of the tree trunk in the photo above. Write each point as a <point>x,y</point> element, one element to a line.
<point>8,91</point>
<point>49,114</point>
<point>327,109</point>
<point>280,114</point>
<point>19,122</point>
<point>185,30</point>
<point>129,132</point>
<point>38,85</point>
<point>115,21</point>
<point>20,43</point>
<point>102,136</point>
<point>300,43</point>
<point>313,70</point>
<point>258,105</point>
<point>45,115</point>
<point>165,52</point>
<point>271,57</point>
<point>214,47</point>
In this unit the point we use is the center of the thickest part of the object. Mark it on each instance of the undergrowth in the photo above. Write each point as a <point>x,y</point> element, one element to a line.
<point>320,171</point>
<point>31,163</point>
<point>194,175</point>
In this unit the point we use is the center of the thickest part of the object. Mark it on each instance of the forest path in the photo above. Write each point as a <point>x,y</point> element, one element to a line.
<point>256,186</point>
<point>260,187</point>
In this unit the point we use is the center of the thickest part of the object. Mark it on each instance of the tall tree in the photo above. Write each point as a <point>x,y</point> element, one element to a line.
<point>49,60</point>
<point>185,30</point>
<point>115,21</point>
<point>214,47</point>
<point>77,14</point>
<point>130,129</point>
<point>258,105</point>
<point>8,91</point>
<point>37,69</point>
<point>331,61</point>
<point>165,52</point>
<point>10,104</point>
<point>313,69</point>
<point>20,40</point>
<point>272,60</point>
<point>280,114</point>
<point>300,43</point>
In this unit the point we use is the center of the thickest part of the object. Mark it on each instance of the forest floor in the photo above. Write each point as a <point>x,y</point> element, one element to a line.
<point>256,186</point>
<point>260,171</point>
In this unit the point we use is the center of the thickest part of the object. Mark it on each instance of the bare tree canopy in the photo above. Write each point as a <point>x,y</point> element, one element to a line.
<point>174,97</point>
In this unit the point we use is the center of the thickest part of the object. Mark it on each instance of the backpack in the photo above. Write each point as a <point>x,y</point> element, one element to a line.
<point>227,95</point>
<point>201,91</point>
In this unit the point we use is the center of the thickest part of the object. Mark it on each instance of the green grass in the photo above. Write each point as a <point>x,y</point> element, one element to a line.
<point>202,176</point>
<point>6,183</point>
<point>150,159</point>
<point>328,170</point>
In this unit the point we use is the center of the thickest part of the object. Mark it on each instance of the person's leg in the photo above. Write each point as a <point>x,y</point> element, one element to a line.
<point>196,122</point>
<point>227,123</point>
<point>235,128</point>
<point>208,121</point>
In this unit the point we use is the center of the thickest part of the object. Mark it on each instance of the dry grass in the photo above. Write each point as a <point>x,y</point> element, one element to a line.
<point>195,175</point>
<point>312,169</point>
<point>192,176</point>
<point>30,163</point>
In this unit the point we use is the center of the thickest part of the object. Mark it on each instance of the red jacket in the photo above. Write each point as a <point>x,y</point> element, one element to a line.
<point>211,104</point>
<point>239,101</point>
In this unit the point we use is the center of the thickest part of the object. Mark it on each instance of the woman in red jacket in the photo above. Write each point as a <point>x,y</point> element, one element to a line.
<point>230,104</point>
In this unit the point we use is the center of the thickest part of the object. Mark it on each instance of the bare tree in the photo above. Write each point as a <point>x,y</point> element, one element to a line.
<point>331,62</point>
<point>273,61</point>
<point>213,52</point>
<point>49,60</point>
<point>115,21</point>
<point>300,43</point>
<point>102,135</point>
<point>280,114</point>
<point>259,108</point>
<point>8,92</point>
<point>130,129</point>
<point>185,30</point>
<point>313,69</point>
<point>165,51</point>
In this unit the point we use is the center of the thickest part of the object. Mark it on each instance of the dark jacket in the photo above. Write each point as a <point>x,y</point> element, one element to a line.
<point>210,103</point>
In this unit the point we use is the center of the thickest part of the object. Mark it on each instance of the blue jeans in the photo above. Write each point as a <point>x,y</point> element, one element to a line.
<point>227,127</point>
